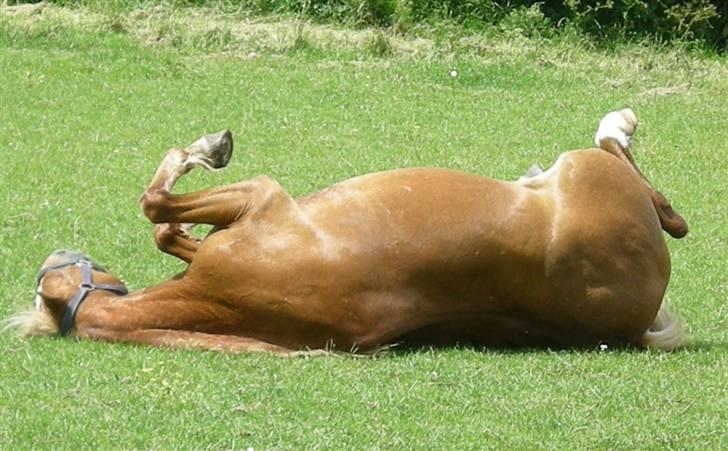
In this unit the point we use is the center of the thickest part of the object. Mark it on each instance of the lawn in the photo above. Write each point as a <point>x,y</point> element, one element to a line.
<point>91,99</point>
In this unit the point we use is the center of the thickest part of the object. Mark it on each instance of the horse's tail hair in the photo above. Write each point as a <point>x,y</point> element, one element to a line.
<point>666,332</point>
<point>31,323</point>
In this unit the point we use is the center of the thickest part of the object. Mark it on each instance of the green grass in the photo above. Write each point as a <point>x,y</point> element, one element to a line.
<point>88,106</point>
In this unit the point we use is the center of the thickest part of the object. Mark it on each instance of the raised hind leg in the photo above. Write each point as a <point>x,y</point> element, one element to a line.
<point>613,135</point>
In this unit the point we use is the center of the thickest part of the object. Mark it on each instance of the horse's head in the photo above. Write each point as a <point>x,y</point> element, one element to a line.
<point>613,135</point>
<point>65,280</point>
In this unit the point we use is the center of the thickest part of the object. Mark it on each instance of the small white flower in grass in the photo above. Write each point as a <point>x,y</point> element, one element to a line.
<point>603,347</point>
<point>453,73</point>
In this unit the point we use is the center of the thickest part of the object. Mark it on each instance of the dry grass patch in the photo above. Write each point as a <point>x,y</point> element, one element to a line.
<point>214,31</point>
<point>211,29</point>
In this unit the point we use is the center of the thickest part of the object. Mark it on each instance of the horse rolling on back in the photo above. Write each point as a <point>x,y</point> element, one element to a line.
<point>573,256</point>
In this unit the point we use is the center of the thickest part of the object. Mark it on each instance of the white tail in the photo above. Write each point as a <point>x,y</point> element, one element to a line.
<point>666,332</point>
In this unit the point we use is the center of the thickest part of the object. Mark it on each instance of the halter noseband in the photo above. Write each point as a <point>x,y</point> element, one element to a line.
<point>84,288</point>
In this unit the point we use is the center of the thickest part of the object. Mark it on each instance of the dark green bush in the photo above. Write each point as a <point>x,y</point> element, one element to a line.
<point>703,21</point>
<point>663,20</point>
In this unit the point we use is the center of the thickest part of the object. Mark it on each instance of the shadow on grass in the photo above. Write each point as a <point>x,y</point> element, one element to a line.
<point>406,350</point>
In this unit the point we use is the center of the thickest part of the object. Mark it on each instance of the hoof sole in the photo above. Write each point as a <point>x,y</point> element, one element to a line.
<point>216,149</point>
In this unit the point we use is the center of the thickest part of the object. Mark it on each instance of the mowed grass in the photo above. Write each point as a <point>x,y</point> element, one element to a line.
<point>87,111</point>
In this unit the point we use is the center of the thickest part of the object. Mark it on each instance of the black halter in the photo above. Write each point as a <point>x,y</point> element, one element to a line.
<point>84,288</point>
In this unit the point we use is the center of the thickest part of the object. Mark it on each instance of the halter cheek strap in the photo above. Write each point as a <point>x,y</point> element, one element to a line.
<point>84,288</point>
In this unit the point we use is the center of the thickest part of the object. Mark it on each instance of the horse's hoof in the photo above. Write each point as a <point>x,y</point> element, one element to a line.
<point>619,125</point>
<point>215,149</point>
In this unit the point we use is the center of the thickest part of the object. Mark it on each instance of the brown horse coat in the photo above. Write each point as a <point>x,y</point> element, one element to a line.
<point>573,256</point>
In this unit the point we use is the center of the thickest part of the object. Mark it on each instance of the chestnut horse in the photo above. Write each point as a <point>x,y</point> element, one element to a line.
<point>573,256</point>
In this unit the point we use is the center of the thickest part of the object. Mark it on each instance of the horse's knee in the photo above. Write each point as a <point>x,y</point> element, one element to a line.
<point>154,205</point>
<point>164,236</point>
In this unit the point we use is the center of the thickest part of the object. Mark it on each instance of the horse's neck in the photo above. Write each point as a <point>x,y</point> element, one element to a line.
<point>159,307</point>
<point>163,317</point>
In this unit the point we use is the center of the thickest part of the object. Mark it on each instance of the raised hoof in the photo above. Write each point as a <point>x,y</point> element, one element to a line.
<point>215,149</point>
<point>619,125</point>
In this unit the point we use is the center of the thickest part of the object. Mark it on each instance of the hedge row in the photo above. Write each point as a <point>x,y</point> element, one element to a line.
<point>703,21</point>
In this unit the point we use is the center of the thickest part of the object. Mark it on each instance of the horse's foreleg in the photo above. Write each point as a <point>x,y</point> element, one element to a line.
<point>180,339</point>
<point>210,152</point>
<point>217,206</point>
<point>174,239</point>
